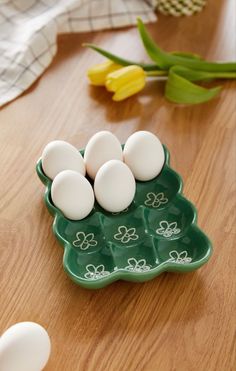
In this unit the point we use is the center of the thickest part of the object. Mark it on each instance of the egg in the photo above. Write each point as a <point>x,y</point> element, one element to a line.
<point>102,147</point>
<point>24,346</point>
<point>114,186</point>
<point>144,154</point>
<point>72,193</point>
<point>58,156</point>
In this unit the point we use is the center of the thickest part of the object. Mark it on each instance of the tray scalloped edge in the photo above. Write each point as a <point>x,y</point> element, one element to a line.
<point>123,274</point>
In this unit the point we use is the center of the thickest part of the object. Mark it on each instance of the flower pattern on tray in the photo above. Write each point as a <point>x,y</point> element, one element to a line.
<point>155,199</point>
<point>94,273</point>
<point>137,265</point>
<point>179,257</point>
<point>84,241</point>
<point>167,229</point>
<point>126,234</point>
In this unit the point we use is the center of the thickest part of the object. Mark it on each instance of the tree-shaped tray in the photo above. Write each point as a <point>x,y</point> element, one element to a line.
<point>158,232</point>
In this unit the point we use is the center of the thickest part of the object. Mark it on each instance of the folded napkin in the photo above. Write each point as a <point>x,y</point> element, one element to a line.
<point>29,29</point>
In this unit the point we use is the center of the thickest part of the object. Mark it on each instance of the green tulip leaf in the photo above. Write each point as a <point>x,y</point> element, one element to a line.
<point>155,53</point>
<point>197,75</point>
<point>180,90</point>
<point>187,55</point>
<point>122,61</point>
<point>167,60</point>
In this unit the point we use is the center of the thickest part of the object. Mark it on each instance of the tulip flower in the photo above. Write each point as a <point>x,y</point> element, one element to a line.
<point>125,82</point>
<point>179,70</point>
<point>97,74</point>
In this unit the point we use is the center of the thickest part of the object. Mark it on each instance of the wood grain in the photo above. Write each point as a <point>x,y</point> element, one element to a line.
<point>175,322</point>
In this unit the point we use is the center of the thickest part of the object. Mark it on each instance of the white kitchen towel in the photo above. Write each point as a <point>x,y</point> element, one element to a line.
<point>29,29</point>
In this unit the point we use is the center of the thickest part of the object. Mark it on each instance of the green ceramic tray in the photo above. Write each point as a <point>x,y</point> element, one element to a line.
<point>157,233</point>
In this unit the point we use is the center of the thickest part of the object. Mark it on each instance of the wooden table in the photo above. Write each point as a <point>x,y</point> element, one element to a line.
<point>175,322</point>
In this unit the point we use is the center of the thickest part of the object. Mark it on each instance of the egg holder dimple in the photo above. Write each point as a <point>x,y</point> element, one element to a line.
<point>158,232</point>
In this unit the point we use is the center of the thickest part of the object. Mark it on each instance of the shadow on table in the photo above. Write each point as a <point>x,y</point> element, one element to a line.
<point>150,105</point>
<point>133,308</point>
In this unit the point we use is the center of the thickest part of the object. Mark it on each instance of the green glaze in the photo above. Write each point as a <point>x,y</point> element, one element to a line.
<point>157,233</point>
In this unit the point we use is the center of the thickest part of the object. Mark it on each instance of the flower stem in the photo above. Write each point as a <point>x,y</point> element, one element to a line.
<point>156,73</point>
<point>224,75</point>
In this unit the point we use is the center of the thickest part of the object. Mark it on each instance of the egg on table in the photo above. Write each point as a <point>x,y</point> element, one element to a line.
<point>72,193</point>
<point>114,186</point>
<point>144,154</point>
<point>24,346</point>
<point>102,147</point>
<point>60,155</point>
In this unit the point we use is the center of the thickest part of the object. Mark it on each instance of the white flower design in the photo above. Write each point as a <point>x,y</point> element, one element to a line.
<point>126,234</point>
<point>84,241</point>
<point>95,273</point>
<point>167,229</point>
<point>137,265</point>
<point>180,258</point>
<point>155,199</point>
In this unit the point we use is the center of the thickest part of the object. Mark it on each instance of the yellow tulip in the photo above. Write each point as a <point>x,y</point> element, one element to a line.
<point>125,82</point>
<point>98,73</point>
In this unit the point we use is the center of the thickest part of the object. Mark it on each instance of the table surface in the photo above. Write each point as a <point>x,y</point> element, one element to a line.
<point>174,322</point>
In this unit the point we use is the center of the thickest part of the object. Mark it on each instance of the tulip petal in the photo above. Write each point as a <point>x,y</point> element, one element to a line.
<point>117,79</point>
<point>97,74</point>
<point>129,89</point>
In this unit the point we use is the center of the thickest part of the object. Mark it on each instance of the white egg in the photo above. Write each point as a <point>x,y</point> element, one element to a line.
<point>102,147</point>
<point>58,156</point>
<point>114,186</point>
<point>72,193</point>
<point>144,154</point>
<point>25,346</point>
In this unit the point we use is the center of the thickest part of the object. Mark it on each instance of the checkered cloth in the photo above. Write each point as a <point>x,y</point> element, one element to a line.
<point>29,29</point>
